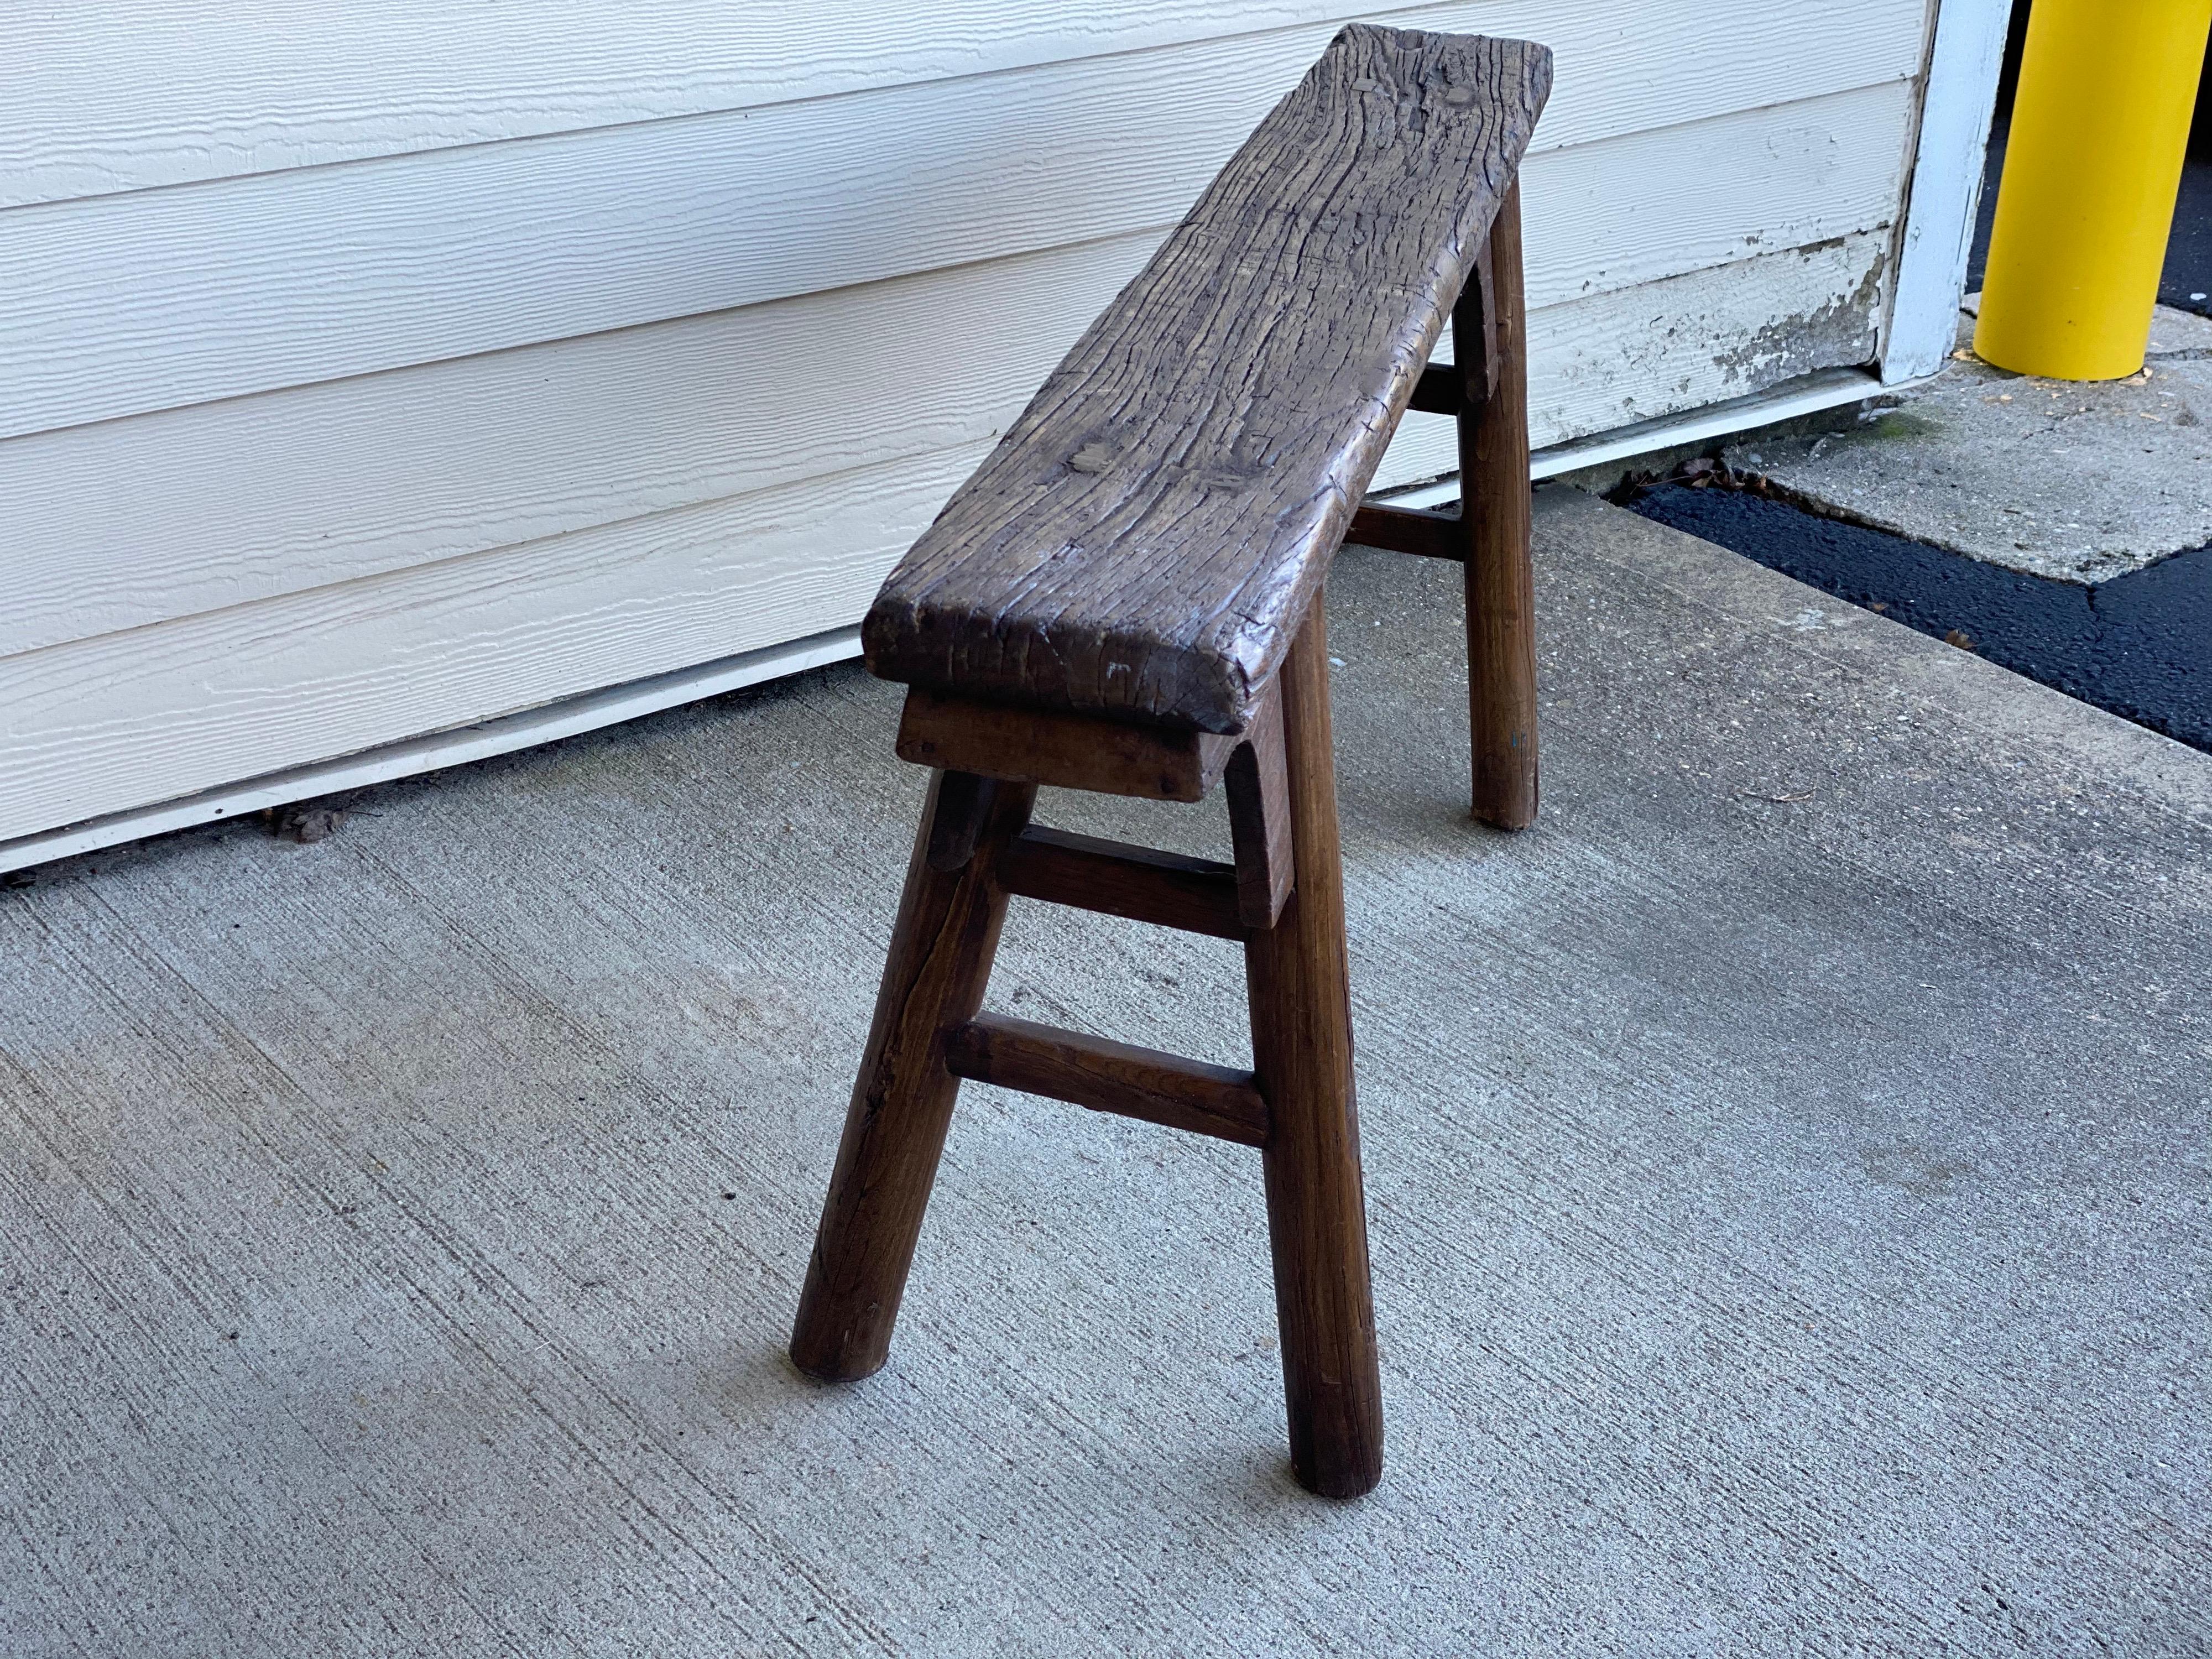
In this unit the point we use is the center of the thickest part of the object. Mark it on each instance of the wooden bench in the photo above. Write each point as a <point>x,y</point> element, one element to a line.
<point>1126,597</point>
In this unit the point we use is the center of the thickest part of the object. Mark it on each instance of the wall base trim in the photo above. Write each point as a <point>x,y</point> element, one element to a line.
<point>548,723</point>
<point>1806,394</point>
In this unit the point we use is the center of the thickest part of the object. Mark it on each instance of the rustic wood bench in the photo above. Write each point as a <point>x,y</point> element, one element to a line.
<point>1126,597</point>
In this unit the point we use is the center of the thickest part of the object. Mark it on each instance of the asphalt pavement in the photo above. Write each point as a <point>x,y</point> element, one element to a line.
<point>2136,645</point>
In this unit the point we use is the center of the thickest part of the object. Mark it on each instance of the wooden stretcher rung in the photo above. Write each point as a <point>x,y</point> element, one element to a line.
<point>1167,890</point>
<point>1440,391</point>
<point>1409,530</point>
<point>1109,1077</point>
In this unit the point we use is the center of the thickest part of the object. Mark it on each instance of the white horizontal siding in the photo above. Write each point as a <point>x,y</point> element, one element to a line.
<point>140,93</point>
<point>102,723</point>
<point>130,522</point>
<point>1649,205</point>
<point>134,94</point>
<point>1676,344</point>
<point>1611,360</point>
<point>313,459</point>
<point>254,496</point>
<point>125,304</point>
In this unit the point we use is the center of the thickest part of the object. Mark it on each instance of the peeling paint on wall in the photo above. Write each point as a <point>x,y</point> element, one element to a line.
<point>1842,330</point>
<point>1684,343</point>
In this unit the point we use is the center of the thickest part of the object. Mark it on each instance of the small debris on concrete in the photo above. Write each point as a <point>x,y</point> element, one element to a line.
<point>306,822</point>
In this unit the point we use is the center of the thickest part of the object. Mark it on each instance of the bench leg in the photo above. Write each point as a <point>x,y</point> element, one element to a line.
<point>1501,634</point>
<point>940,959</point>
<point>1299,978</point>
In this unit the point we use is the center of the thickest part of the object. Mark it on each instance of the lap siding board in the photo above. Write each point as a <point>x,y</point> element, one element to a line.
<point>1145,541</point>
<point>307,568</point>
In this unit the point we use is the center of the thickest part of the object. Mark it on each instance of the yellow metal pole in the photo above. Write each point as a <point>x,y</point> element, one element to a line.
<point>2091,171</point>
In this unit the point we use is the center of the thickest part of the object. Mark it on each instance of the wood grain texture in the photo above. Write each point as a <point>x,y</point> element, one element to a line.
<point>1105,1076</point>
<point>1165,509</point>
<point>144,92</point>
<point>942,945</point>
<point>1494,507</point>
<point>1141,884</point>
<point>1258,788</point>
<point>1299,981</point>
<point>1074,752</point>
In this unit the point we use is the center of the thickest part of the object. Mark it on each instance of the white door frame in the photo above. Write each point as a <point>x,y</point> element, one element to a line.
<point>1957,100</point>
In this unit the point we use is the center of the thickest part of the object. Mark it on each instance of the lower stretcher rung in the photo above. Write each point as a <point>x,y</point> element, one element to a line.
<point>1109,1077</point>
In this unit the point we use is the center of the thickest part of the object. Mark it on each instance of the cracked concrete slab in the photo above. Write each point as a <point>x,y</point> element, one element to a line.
<point>2078,481</point>
<point>1788,1176</point>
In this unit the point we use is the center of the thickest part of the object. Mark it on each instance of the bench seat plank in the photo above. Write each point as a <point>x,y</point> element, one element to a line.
<point>1145,540</point>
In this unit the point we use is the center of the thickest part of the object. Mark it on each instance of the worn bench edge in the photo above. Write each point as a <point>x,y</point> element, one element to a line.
<point>1217,692</point>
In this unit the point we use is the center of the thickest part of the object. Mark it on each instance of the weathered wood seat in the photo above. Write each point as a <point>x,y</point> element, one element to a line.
<point>1146,539</point>
<point>1124,598</point>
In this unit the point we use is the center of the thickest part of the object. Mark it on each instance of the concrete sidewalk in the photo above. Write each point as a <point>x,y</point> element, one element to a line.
<point>1788,1173</point>
<point>2078,481</point>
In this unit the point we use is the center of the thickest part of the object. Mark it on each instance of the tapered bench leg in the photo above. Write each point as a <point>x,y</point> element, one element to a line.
<point>939,962</point>
<point>1501,634</point>
<point>1299,980</point>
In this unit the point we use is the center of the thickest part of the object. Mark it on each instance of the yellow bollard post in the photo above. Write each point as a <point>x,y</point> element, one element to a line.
<point>2091,172</point>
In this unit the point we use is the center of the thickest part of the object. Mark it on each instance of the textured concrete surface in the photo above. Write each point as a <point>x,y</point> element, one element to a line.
<point>2078,481</point>
<point>1787,1171</point>
<point>2139,645</point>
